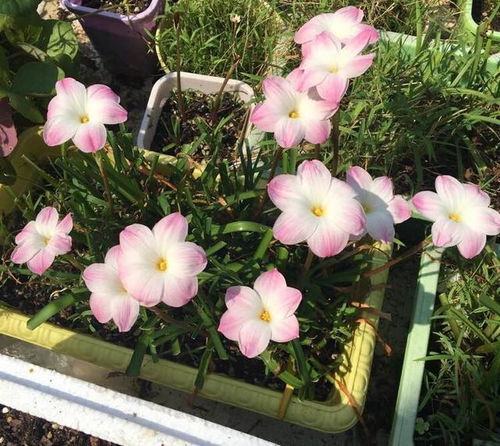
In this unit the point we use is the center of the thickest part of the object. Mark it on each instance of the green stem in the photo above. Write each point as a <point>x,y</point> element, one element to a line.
<point>335,141</point>
<point>99,160</point>
<point>274,165</point>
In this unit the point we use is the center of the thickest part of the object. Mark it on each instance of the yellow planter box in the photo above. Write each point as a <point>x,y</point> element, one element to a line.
<point>334,415</point>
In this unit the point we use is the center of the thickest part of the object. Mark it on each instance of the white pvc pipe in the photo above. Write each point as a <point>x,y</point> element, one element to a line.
<point>104,413</point>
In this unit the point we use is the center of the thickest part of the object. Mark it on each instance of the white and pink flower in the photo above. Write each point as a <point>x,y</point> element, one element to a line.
<point>328,65</point>
<point>159,265</point>
<point>79,113</point>
<point>254,317</point>
<point>109,298</point>
<point>42,240</point>
<point>461,214</point>
<point>316,208</point>
<point>344,24</point>
<point>291,114</point>
<point>382,208</point>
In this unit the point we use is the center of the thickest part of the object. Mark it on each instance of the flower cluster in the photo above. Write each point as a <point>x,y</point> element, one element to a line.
<point>299,106</point>
<point>158,265</point>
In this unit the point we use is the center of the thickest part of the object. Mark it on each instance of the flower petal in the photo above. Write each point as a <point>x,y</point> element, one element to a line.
<point>138,238</point>
<point>90,137</point>
<point>265,116</point>
<point>73,95</point>
<point>289,132</point>
<point>446,233</point>
<point>328,240</point>
<point>101,306</point>
<point>276,87</point>
<point>66,224</point>
<point>178,291</point>
<point>47,219</point>
<point>25,252</point>
<point>482,219</point>
<point>59,129</point>
<point>292,227</point>
<point>284,190</point>
<point>317,132</point>
<point>60,244</point>
<point>170,230</point>
<point>315,180</point>
<point>380,226</point>
<point>106,112</point>
<point>99,92</point>
<point>186,259</point>
<point>383,188</point>
<point>333,89</point>
<point>475,196</point>
<point>28,232</point>
<point>472,243</point>
<point>245,305</point>
<point>41,261</point>
<point>243,295</point>
<point>450,191</point>
<point>124,311</point>
<point>399,209</point>
<point>358,65</point>
<point>429,204</point>
<point>358,178</point>
<point>254,337</point>
<point>285,330</point>
<point>271,281</point>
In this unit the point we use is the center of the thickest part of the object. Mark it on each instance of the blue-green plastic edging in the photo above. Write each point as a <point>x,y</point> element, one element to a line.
<point>409,46</point>
<point>403,426</point>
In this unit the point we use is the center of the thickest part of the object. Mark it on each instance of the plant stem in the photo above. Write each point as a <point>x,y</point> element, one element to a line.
<point>306,267</point>
<point>317,151</point>
<point>407,254</point>
<point>335,141</point>
<point>180,99</point>
<point>99,160</point>
<point>218,98</point>
<point>70,259</point>
<point>274,165</point>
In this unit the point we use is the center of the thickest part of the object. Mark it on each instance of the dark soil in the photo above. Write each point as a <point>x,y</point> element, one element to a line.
<point>482,10</point>
<point>126,7</point>
<point>20,429</point>
<point>173,132</point>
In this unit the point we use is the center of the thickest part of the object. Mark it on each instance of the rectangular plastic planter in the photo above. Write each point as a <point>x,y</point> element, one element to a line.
<point>412,373</point>
<point>122,40</point>
<point>471,26</point>
<point>334,415</point>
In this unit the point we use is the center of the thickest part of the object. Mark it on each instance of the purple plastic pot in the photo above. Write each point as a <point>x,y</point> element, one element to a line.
<point>122,41</point>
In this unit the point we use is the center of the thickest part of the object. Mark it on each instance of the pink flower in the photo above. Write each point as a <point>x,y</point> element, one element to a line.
<point>317,208</point>
<point>80,113</point>
<point>42,240</point>
<point>109,298</point>
<point>344,24</point>
<point>382,208</point>
<point>328,65</point>
<point>159,265</point>
<point>460,213</point>
<point>256,316</point>
<point>292,115</point>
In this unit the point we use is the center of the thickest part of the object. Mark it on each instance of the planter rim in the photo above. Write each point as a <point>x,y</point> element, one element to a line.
<point>155,102</point>
<point>143,15</point>
<point>471,25</point>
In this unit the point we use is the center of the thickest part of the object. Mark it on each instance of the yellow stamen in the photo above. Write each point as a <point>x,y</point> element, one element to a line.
<point>293,114</point>
<point>454,217</point>
<point>318,211</point>
<point>162,264</point>
<point>334,69</point>
<point>84,119</point>
<point>265,316</point>
<point>46,240</point>
<point>367,208</point>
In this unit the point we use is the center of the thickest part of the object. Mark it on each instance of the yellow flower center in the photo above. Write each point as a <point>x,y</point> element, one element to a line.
<point>162,264</point>
<point>454,217</point>
<point>318,211</point>
<point>46,240</point>
<point>334,69</point>
<point>265,316</point>
<point>84,119</point>
<point>293,114</point>
<point>367,208</point>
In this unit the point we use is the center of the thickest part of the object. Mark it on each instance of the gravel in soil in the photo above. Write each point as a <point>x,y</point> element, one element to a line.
<point>126,7</point>
<point>482,10</point>
<point>175,131</point>
<point>21,429</point>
